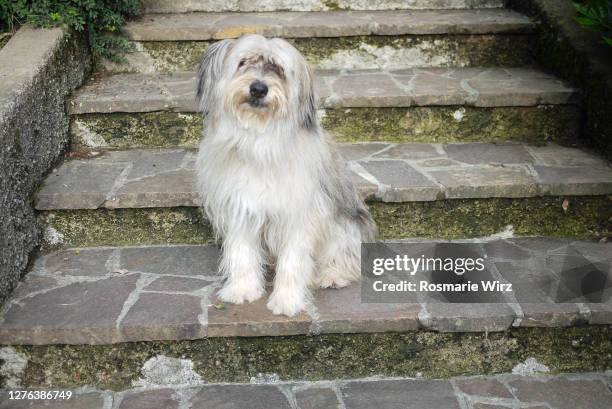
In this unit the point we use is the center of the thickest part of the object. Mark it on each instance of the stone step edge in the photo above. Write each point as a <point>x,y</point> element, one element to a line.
<point>384,172</point>
<point>216,26</point>
<point>477,87</point>
<point>107,295</point>
<point>189,6</point>
<point>530,384</point>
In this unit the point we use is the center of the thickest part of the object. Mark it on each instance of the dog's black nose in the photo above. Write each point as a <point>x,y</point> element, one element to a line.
<point>258,89</point>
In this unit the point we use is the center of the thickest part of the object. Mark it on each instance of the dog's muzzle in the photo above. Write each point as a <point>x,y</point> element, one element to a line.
<point>258,90</point>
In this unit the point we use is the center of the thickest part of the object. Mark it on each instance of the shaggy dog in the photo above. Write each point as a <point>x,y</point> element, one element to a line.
<point>270,180</point>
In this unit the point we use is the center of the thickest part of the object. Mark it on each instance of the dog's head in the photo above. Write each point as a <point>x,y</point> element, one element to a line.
<point>257,80</point>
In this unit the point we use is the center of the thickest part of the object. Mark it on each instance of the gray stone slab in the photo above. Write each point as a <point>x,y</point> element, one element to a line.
<point>78,313</point>
<point>178,284</point>
<point>240,397</point>
<point>122,93</point>
<point>70,185</point>
<point>150,399</point>
<point>400,22</point>
<point>405,172</point>
<point>316,398</point>
<point>356,151</point>
<point>171,260</point>
<point>342,311</point>
<point>157,316</point>
<point>435,88</point>
<point>216,6</point>
<point>486,181</point>
<point>400,394</point>
<point>494,87</point>
<point>519,87</point>
<point>79,262</point>
<point>488,154</point>
<point>505,250</point>
<point>401,182</point>
<point>109,295</point>
<point>563,393</point>
<point>169,189</point>
<point>555,155</point>
<point>467,317</point>
<point>252,319</point>
<point>410,151</point>
<point>374,90</point>
<point>479,405</point>
<point>584,180</point>
<point>483,386</point>
<point>204,26</point>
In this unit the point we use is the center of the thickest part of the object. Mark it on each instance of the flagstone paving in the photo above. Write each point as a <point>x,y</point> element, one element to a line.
<point>386,172</point>
<point>108,295</point>
<point>207,26</point>
<point>505,391</point>
<point>478,87</point>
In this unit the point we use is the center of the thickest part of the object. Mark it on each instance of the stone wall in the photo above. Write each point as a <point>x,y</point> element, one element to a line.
<point>38,69</point>
<point>580,56</point>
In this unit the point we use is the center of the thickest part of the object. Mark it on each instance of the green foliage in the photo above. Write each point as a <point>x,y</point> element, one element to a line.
<point>596,15</point>
<point>101,19</point>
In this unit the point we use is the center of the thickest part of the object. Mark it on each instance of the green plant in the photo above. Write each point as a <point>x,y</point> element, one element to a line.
<point>101,19</point>
<point>596,15</point>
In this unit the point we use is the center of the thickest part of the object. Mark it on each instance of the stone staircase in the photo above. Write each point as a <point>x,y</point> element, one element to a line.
<point>451,131</point>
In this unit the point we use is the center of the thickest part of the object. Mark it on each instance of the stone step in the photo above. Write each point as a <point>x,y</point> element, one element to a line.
<point>390,173</point>
<point>421,105</point>
<point>534,390</point>
<point>186,6</point>
<point>340,40</point>
<point>106,295</point>
<point>474,87</point>
<point>217,26</point>
<point>417,354</point>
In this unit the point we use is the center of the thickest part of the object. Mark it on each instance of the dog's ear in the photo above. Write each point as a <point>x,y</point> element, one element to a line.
<point>210,70</point>
<point>307,106</point>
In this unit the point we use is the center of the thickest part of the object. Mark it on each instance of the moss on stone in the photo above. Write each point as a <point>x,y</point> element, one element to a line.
<point>433,355</point>
<point>124,227</point>
<point>424,50</point>
<point>126,131</point>
<point>332,5</point>
<point>413,124</point>
<point>170,56</point>
<point>453,124</point>
<point>585,217</point>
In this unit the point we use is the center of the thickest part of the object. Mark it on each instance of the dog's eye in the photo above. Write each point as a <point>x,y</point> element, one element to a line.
<point>242,62</point>
<point>270,66</point>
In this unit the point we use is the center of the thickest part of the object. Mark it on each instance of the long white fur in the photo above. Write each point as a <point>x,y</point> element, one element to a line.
<point>270,179</point>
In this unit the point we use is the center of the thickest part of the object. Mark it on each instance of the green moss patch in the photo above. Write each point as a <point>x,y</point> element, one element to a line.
<point>124,227</point>
<point>424,50</point>
<point>585,217</point>
<point>430,354</point>
<point>453,124</point>
<point>414,124</point>
<point>142,130</point>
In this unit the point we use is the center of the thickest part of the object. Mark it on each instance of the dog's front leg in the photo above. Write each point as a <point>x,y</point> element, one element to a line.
<point>242,266</point>
<point>294,270</point>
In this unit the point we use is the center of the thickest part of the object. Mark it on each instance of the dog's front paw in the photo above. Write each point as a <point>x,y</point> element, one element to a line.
<point>333,282</point>
<point>237,293</point>
<point>286,302</point>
